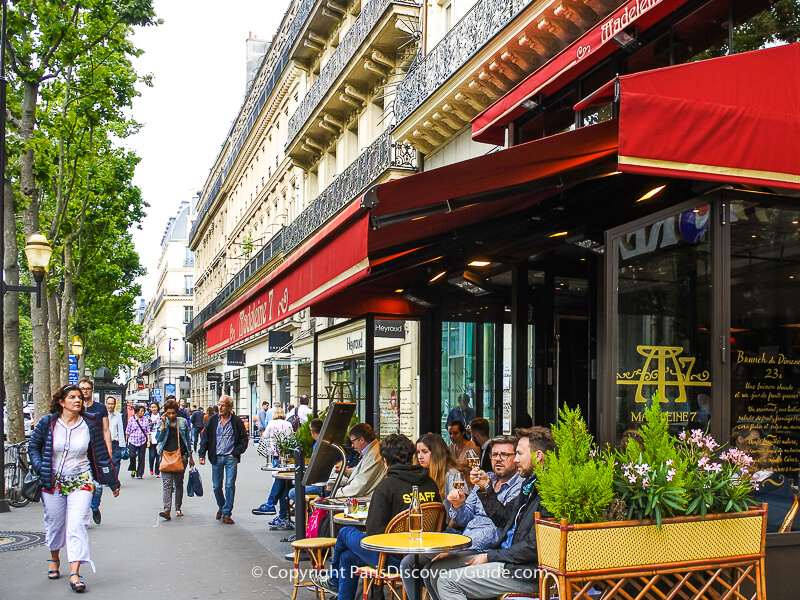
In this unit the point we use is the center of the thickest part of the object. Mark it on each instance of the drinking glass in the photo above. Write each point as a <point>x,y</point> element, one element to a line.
<point>458,482</point>
<point>473,460</point>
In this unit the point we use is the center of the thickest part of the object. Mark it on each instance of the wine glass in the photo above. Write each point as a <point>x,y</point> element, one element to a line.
<point>458,482</point>
<point>473,460</point>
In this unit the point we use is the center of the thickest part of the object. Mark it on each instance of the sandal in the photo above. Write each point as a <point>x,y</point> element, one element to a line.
<point>54,574</point>
<point>165,515</point>
<point>77,587</point>
<point>178,512</point>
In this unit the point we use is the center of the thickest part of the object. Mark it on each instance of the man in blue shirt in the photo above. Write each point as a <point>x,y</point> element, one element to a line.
<point>468,512</point>
<point>225,439</point>
<point>99,411</point>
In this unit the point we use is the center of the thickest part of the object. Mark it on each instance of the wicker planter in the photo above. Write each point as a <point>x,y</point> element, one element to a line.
<point>638,553</point>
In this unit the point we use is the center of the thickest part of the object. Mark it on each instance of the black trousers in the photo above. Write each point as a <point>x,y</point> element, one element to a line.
<point>138,459</point>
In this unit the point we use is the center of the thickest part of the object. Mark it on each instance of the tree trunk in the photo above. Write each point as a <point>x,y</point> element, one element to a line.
<point>30,220</point>
<point>55,353</point>
<point>16,432</point>
<point>66,304</point>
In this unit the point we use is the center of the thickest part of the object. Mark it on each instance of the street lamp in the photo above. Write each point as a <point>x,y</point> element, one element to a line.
<point>164,328</point>
<point>77,347</point>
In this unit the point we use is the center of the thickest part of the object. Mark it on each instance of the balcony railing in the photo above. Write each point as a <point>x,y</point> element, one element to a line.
<point>479,26</point>
<point>383,154</point>
<point>352,41</point>
<point>303,11</point>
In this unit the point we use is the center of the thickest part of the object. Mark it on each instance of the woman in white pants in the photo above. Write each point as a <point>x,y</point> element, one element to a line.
<point>69,452</point>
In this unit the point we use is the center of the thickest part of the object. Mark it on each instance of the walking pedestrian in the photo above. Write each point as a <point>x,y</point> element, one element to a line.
<point>155,425</point>
<point>137,435</point>
<point>100,413</point>
<point>68,451</point>
<point>225,439</point>
<point>173,432</point>
<point>197,421</point>
<point>117,432</point>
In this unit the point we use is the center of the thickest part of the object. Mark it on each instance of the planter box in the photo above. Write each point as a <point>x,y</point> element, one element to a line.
<point>638,553</point>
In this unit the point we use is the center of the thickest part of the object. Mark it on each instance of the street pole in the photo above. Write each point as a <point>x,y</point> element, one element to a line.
<point>4,506</point>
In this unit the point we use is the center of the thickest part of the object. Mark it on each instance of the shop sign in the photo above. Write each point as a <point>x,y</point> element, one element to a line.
<point>280,341</point>
<point>213,376</point>
<point>355,344</point>
<point>390,328</point>
<point>235,358</point>
<point>670,373</point>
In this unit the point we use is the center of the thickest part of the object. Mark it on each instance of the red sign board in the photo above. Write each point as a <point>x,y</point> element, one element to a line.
<point>334,257</point>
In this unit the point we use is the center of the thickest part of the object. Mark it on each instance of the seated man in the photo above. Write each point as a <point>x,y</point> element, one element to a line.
<point>467,511</point>
<point>391,497</point>
<point>315,426</point>
<point>362,479</point>
<point>283,491</point>
<point>510,566</point>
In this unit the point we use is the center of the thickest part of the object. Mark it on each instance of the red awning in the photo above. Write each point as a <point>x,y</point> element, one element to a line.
<point>585,52</point>
<point>735,118</point>
<point>402,212</point>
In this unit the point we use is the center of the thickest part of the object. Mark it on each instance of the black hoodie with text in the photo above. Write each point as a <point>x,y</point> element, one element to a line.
<point>393,495</point>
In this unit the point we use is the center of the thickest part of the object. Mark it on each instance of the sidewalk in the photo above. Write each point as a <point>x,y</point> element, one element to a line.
<point>139,555</point>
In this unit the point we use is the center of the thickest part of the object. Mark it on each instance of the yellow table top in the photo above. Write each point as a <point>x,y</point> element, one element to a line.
<point>404,543</point>
<point>287,475</point>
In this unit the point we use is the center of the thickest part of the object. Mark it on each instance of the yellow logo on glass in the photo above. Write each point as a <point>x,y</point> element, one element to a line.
<point>664,368</point>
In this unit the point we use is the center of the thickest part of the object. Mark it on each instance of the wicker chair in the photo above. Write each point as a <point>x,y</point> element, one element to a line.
<point>790,516</point>
<point>433,515</point>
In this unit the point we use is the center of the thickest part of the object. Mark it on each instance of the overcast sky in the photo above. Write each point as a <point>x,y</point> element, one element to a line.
<point>197,59</point>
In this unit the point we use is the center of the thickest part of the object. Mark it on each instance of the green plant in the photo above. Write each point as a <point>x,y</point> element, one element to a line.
<point>285,443</point>
<point>576,482</point>
<point>304,438</point>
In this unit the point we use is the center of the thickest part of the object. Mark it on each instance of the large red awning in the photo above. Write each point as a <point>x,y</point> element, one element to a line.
<point>365,233</point>
<point>735,118</point>
<point>585,52</point>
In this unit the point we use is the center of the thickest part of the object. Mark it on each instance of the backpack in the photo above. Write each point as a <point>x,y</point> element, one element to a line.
<point>294,421</point>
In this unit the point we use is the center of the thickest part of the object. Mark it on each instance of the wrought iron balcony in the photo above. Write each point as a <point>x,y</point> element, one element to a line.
<point>369,16</point>
<point>382,155</point>
<point>485,20</point>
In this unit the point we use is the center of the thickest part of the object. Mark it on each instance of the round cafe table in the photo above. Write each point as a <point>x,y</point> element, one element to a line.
<point>427,542</point>
<point>285,475</point>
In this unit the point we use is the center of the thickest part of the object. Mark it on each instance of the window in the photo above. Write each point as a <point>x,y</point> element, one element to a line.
<point>188,314</point>
<point>189,284</point>
<point>188,261</point>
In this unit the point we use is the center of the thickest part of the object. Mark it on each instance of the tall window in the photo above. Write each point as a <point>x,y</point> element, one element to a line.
<point>189,284</point>
<point>188,314</point>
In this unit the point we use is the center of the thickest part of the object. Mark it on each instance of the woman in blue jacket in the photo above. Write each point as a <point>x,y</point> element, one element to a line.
<point>69,452</point>
<point>173,430</point>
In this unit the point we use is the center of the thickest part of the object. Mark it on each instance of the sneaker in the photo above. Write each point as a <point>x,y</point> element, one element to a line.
<point>321,580</point>
<point>151,472</point>
<point>96,517</point>
<point>284,525</point>
<point>264,509</point>
<point>275,521</point>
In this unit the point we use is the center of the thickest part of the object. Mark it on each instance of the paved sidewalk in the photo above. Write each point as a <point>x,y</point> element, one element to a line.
<point>139,556</point>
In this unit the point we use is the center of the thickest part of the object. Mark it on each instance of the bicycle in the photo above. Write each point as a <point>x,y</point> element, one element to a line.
<point>16,469</point>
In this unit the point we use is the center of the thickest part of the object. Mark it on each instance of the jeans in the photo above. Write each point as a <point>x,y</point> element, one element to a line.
<point>224,467</point>
<point>280,494</point>
<point>347,556</point>
<point>196,436</point>
<point>311,490</point>
<point>116,458</point>
<point>155,459</point>
<point>454,581</point>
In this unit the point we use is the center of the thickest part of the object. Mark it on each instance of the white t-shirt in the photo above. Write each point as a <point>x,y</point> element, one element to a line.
<point>303,413</point>
<point>71,448</point>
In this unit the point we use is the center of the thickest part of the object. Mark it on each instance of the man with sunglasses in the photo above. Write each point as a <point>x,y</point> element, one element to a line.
<point>362,479</point>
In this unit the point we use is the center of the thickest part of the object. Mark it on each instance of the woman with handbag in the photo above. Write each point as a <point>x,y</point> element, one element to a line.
<point>138,435</point>
<point>69,452</point>
<point>175,452</point>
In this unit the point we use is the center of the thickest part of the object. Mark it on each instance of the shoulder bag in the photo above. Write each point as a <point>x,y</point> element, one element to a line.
<point>171,460</point>
<point>31,487</point>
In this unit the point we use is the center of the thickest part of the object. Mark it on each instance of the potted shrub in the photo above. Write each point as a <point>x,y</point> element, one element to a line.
<point>684,503</point>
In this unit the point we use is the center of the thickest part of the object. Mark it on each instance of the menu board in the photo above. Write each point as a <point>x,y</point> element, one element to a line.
<point>765,398</point>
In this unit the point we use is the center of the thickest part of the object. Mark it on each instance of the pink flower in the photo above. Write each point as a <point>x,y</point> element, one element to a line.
<point>671,474</point>
<point>682,436</point>
<point>669,462</point>
<point>632,478</point>
<point>702,462</point>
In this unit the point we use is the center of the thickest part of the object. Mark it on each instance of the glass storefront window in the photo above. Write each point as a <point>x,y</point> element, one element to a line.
<point>663,321</point>
<point>765,333</point>
<point>388,389</point>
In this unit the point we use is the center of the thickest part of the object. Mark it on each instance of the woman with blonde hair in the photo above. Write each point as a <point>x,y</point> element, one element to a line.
<point>433,454</point>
